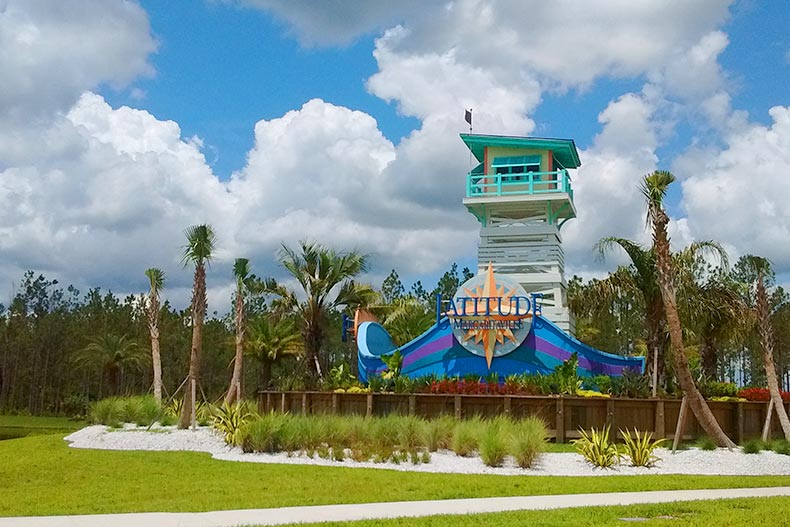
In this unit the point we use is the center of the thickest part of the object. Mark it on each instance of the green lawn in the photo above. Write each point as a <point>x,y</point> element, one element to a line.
<point>766,512</point>
<point>12,426</point>
<point>42,476</point>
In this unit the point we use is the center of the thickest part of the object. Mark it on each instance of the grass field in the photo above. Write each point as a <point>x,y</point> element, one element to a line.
<point>766,512</point>
<point>42,476</point>
<point>13,426</point>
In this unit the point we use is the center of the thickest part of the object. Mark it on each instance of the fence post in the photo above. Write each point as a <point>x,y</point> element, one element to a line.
<point>681,425</point>
<point>560,420</point>
<point>334,403</point>
<point>507,405</point>
<point>412,404</point>
<point>659,426</point>
<point>282,402</point>
<point>739,421</point>
<point>304,403</point>
<point>457,404</point>
<point>610,415</point>
<point>369,405</point>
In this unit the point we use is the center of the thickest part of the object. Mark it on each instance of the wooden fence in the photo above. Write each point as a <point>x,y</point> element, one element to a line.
<point>564,415</point>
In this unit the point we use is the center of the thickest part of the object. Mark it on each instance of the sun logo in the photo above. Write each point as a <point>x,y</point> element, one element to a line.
<point>491,315</point>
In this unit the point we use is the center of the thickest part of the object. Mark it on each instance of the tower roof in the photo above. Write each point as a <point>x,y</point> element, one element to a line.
<point>564,149</point>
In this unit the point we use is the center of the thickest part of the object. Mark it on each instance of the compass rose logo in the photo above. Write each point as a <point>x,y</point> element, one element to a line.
<point>491,315</point>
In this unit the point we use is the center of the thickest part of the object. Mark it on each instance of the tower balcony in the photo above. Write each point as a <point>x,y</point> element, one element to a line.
<point>526,194</point>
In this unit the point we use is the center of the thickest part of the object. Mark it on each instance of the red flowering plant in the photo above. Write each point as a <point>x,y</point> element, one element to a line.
<point>760,394</point>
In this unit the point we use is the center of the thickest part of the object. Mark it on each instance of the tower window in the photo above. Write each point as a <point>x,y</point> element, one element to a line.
<point>516,167</point>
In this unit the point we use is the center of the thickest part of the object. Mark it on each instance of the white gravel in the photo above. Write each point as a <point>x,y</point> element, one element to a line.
<point>693,461</point>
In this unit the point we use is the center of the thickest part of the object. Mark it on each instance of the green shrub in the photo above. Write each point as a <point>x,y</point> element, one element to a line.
<point>410,431</point>
<point>148,410</point>
<point>528,441</point>
<point>438,433</point>
<point>230,420</point>
<point>167,420</point>
<point>639,447</point>
<point>596,448</point>
<point>710,389</point>
<point>131,408</point>
<point>781,446</point>
<point>630,384</point>
<point>425,456</point>
<point>465,437</point>
<point>566,376</point>
<point>601,383</point>
<point>263,434</point>
<point>106,411</point>
<point>706,443</point>
<point>753,446</point>
<point>113,411</point>
<point>494,442</point>
<point>376,383</point>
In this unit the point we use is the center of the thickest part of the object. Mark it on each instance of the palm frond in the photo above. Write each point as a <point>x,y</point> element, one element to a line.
<point>200,244</point>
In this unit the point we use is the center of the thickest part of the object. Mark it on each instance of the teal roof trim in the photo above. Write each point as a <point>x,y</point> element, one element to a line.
<point>564,149</point>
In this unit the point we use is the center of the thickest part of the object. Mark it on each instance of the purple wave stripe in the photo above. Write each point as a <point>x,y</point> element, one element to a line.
<point>443,342</point>
<point>561,354</point>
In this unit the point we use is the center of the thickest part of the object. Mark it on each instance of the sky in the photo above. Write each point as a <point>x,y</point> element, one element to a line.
<point>124,122</point>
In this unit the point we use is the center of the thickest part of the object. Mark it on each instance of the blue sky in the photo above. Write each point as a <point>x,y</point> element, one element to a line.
<point>274,120</point>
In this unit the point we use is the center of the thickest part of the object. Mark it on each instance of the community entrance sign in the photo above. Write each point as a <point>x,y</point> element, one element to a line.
<point>491,314</point>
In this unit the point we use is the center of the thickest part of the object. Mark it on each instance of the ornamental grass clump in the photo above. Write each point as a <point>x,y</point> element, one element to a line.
<point>753,446</point>
<point>781,446</point>
<point>107,411</point>
<point>528,441</point>
<point>493,444</point>
<point>410,431</point>
<point>263,434</point>
<point>438,433</point>
<point>640,447</point>
<point>706,443</point>
<point>465,437</point>
<point>596,448</point>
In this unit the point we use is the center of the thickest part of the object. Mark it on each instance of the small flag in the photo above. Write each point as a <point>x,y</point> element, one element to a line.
<point>468,117</point>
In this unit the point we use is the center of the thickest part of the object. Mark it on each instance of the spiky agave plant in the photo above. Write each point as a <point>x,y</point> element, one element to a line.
<point>596,448</point>
<point>229,420</point>
<point>640,447</point>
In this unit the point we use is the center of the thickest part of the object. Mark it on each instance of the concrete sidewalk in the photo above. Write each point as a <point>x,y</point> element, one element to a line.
<point>365,511</point>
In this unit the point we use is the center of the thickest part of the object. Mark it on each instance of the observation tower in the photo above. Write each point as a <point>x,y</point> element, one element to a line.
<point>521,194</point>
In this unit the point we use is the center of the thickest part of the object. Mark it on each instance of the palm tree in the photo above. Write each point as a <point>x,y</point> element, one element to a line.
<point>406,319</point>
<point>717,312</point>
<point>200,245</point>
<point>654,188</point>
<point>641,278</point>
<point>245,281</point>
<point>271,338</point>
<point>326,280</point>
<point>761,268</point>
<point>112,354</point>
<point>156,279</point>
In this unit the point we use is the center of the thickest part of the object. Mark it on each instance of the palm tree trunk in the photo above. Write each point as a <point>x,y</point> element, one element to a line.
<point>655,330</point>
<point>235,379</point>
<point>697,403</point>
<point>767,342</point>
<point>198,314</point>
<point>156,360</point>
<point>709,357</point>
<point>265,375</point>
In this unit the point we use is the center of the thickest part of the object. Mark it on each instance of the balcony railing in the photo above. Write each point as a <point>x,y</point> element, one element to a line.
<point>527,183</point>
